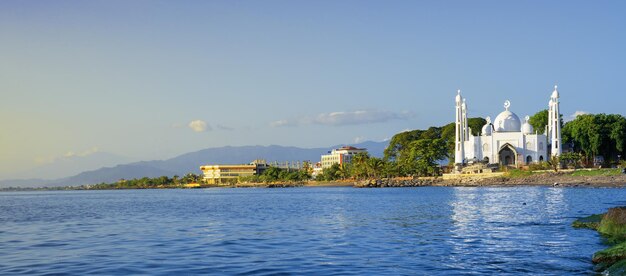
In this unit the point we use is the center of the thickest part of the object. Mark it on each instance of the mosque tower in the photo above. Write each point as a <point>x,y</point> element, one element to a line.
<point>461,131</point>
<point>465,127</point>
<point>554,124</point>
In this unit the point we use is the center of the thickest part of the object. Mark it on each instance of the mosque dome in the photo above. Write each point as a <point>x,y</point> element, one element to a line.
<point>527,128</point>
<point>486,130</point>
<point>507,121</point>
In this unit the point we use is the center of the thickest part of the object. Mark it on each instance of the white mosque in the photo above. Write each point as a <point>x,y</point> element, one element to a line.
<point>506,140</point>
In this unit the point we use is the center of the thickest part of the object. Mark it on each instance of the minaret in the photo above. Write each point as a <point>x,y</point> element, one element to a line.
<point>465,127</point>
<point>555,124</point>
<point>549,126</point>
<point>459,153</point>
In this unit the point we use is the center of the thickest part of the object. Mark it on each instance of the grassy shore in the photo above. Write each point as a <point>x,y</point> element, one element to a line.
<point>612,226</point>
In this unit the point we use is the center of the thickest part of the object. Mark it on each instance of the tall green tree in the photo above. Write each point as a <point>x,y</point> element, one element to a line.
<point>421,157</point>
<point>539,121</point>
<point>360,166</point>
<point>399,143</point>
<point>597,134</point>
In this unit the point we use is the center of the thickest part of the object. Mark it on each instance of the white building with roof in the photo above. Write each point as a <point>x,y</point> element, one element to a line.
<point>506,141</point>
<point>340,156</point>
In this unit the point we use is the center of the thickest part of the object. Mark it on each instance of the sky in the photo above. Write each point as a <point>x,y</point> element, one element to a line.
<point>154,79</point>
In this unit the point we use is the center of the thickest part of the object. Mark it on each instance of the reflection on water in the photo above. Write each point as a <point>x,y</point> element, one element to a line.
<point>508,226</point>
<point>425,231</point>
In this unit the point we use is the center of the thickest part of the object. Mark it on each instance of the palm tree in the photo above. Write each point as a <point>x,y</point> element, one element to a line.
<point>360,165</point>
<point>375,167</point>
<point>342,171</point>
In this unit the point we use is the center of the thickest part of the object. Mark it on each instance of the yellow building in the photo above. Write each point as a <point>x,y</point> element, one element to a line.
<point>228,174</point>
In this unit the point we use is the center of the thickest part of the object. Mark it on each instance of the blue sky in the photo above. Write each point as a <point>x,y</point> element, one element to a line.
<point>154,79</point>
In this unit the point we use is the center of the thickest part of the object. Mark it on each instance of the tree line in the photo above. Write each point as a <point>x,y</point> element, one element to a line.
<point>419,153</point>
<point>275,174</point>
<point>590,135</point>
<point>412,153</point>
<point>149,182</point>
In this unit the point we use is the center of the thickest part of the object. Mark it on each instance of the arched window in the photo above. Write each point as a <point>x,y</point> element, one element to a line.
<point>529,159</point>
<point>541,145</point>
<point>485,147</point>
<point>540,158</point>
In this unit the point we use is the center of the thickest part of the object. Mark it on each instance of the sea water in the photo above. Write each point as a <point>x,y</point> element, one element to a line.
<point>347,231</point>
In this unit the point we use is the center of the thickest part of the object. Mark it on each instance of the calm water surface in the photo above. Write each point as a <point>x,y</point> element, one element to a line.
<point>417,231</point>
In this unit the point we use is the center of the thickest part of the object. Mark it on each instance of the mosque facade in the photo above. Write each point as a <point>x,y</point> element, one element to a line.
<point>506,140</point>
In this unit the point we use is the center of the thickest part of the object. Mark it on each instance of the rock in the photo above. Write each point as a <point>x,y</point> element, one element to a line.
<point>618,268</point>
<point>613,224</point>
<point>611,255</point>
<point>591,222</point>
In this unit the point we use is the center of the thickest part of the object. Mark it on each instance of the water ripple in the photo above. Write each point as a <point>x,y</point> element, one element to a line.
<point>424,231</point>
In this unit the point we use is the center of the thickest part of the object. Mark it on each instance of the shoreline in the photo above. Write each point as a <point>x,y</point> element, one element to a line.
<point>550,179</point>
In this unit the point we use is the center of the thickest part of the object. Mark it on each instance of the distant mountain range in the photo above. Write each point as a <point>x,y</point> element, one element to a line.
<point>71,165</point>
<point>190,162</point>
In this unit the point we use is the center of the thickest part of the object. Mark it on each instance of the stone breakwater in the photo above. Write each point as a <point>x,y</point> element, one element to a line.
<point>546,179</point>
<point>382,183</point>
<point>559,179</point>
<point>267,185</point>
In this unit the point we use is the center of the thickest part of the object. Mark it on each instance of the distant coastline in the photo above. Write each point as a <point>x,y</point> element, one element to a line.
<point>565,178</point>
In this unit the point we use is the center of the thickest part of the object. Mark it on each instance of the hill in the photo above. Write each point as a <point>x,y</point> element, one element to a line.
<point>190,162</point>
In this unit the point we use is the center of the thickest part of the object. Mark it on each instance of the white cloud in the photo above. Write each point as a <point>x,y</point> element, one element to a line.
<point>281,123</point>
<point>359,139</point>
<point>341,118</point>
<point>575,114</point>
<point>82,153</point>
<point>69,154</point>
<point>199,126</point>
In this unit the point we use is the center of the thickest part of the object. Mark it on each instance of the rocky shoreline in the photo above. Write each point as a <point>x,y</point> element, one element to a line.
<point>390,182</point>
<point>555,179</point>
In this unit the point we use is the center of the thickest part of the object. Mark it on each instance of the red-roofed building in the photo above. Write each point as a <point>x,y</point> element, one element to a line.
<point>340,156</point>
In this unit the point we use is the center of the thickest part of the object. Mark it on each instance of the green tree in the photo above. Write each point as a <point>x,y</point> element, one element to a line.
<point>539,121</point>
<point>360,166</point>
<point>422,156</point>
<point>330,174</point>
<point>376,167</point>
<point>398,145</point>
<point>597,134</point>
<point>272,174</point>
<point>555,162</point>
<point>399,142</point>
<point>571,159</point>
<point>476,125</point>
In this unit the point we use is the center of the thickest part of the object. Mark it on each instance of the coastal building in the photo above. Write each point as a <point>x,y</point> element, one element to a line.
<point>340,156</point>
<point>227,174</point>
<point>317,169</point>
<point>506,141</point>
